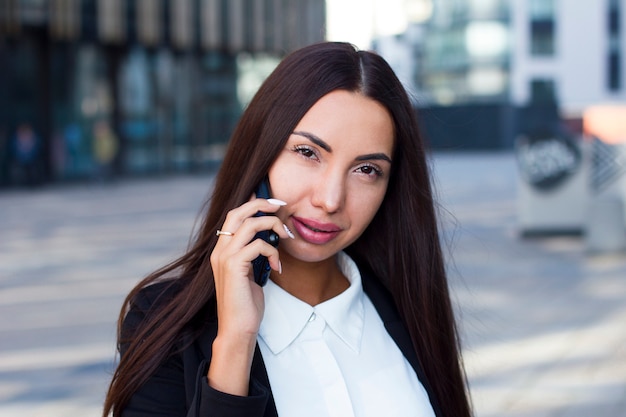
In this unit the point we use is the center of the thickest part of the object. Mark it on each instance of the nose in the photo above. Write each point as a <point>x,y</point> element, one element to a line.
<point>329,192</point>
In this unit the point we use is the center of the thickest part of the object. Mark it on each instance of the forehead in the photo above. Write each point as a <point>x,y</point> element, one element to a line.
<point>344,117</point>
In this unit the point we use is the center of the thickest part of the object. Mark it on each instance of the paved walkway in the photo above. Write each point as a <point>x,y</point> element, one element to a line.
<point>544,324</point>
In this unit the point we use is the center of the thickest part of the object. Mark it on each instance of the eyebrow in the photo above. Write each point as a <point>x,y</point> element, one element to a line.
<point>319,142</point>
<point>374,156</point>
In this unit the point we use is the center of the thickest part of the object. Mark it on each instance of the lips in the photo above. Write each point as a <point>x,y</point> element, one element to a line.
<point>315,232</point>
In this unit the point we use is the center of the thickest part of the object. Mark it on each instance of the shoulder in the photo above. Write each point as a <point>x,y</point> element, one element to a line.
<point>146,303</point>
<point>149,303</point>
<point>155,295</point>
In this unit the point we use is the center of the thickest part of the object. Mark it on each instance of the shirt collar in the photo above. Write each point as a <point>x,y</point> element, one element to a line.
<point>286,316</point>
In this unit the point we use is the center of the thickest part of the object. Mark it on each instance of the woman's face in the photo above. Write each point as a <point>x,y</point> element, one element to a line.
<point>333,174</point>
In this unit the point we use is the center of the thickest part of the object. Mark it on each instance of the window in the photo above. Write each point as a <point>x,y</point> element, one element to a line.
<point>542,37</point>
<point>614,23</point>
<point>542,27</point>
<point>614,79</point>
<point>542,91</point>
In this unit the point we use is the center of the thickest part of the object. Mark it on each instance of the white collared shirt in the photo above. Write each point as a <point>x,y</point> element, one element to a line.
<point>336,359</point>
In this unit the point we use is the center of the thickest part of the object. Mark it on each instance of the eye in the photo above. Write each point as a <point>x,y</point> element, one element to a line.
<point>370,170</point>
<point>305,151</point>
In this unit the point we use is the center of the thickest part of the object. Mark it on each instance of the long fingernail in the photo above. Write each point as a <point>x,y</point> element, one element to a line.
<point>276,202</point>
<point>280,267</point>
<point>289,232</point>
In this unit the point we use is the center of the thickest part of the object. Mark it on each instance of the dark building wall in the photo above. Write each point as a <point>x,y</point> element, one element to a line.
<point>485,126</point>
<point>469,127</point>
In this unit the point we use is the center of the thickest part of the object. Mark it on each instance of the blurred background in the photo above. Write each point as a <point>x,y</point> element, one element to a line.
<point>122,88</point>
<point>114,116</point>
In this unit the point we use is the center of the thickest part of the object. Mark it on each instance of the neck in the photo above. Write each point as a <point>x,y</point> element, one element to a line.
<point>310,282</point>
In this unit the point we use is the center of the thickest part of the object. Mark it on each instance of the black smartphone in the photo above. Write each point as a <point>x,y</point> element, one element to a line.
<point>261,266</point>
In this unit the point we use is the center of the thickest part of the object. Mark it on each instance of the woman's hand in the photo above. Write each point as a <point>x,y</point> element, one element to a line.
<point>240,301</point>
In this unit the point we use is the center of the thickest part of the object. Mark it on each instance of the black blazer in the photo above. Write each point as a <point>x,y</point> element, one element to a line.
<point>180,388</point>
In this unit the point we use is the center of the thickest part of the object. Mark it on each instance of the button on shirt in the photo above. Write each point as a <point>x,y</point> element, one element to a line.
<point>336,358</point>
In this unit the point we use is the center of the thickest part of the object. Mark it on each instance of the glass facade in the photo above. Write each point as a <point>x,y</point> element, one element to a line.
<point>80,98</point>
<point>134,87</point>
<point>466,55</point>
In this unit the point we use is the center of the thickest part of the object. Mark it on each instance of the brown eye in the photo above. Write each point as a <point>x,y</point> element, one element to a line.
<point>305,151</point>
<point>370,170</point>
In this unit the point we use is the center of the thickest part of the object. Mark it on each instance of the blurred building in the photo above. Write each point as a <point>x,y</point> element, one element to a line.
<point>571,52</point>
<point>485,71</point>
<point>146,86</point>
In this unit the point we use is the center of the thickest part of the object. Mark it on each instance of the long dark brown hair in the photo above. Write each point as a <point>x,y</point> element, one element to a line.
<point>401,245</point>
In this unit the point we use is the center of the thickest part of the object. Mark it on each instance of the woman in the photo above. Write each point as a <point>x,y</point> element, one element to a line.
<point>356,317</point>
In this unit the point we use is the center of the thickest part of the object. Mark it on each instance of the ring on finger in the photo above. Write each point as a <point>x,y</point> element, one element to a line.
<point>222,233</point>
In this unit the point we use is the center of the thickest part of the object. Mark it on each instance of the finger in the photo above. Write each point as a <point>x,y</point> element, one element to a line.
<point>261,247</point>
<point>258,224</point>
<point>230,246</point>
<point>253,225</point>
<point>236,216</point>
<point>234,263</point>
<point>254,205</point>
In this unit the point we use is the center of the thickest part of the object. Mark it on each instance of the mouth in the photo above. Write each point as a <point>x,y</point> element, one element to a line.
<point>315,232</point>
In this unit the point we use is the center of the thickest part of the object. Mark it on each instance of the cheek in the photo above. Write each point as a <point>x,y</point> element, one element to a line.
<point>365,205</point>
<point>286,181</point>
